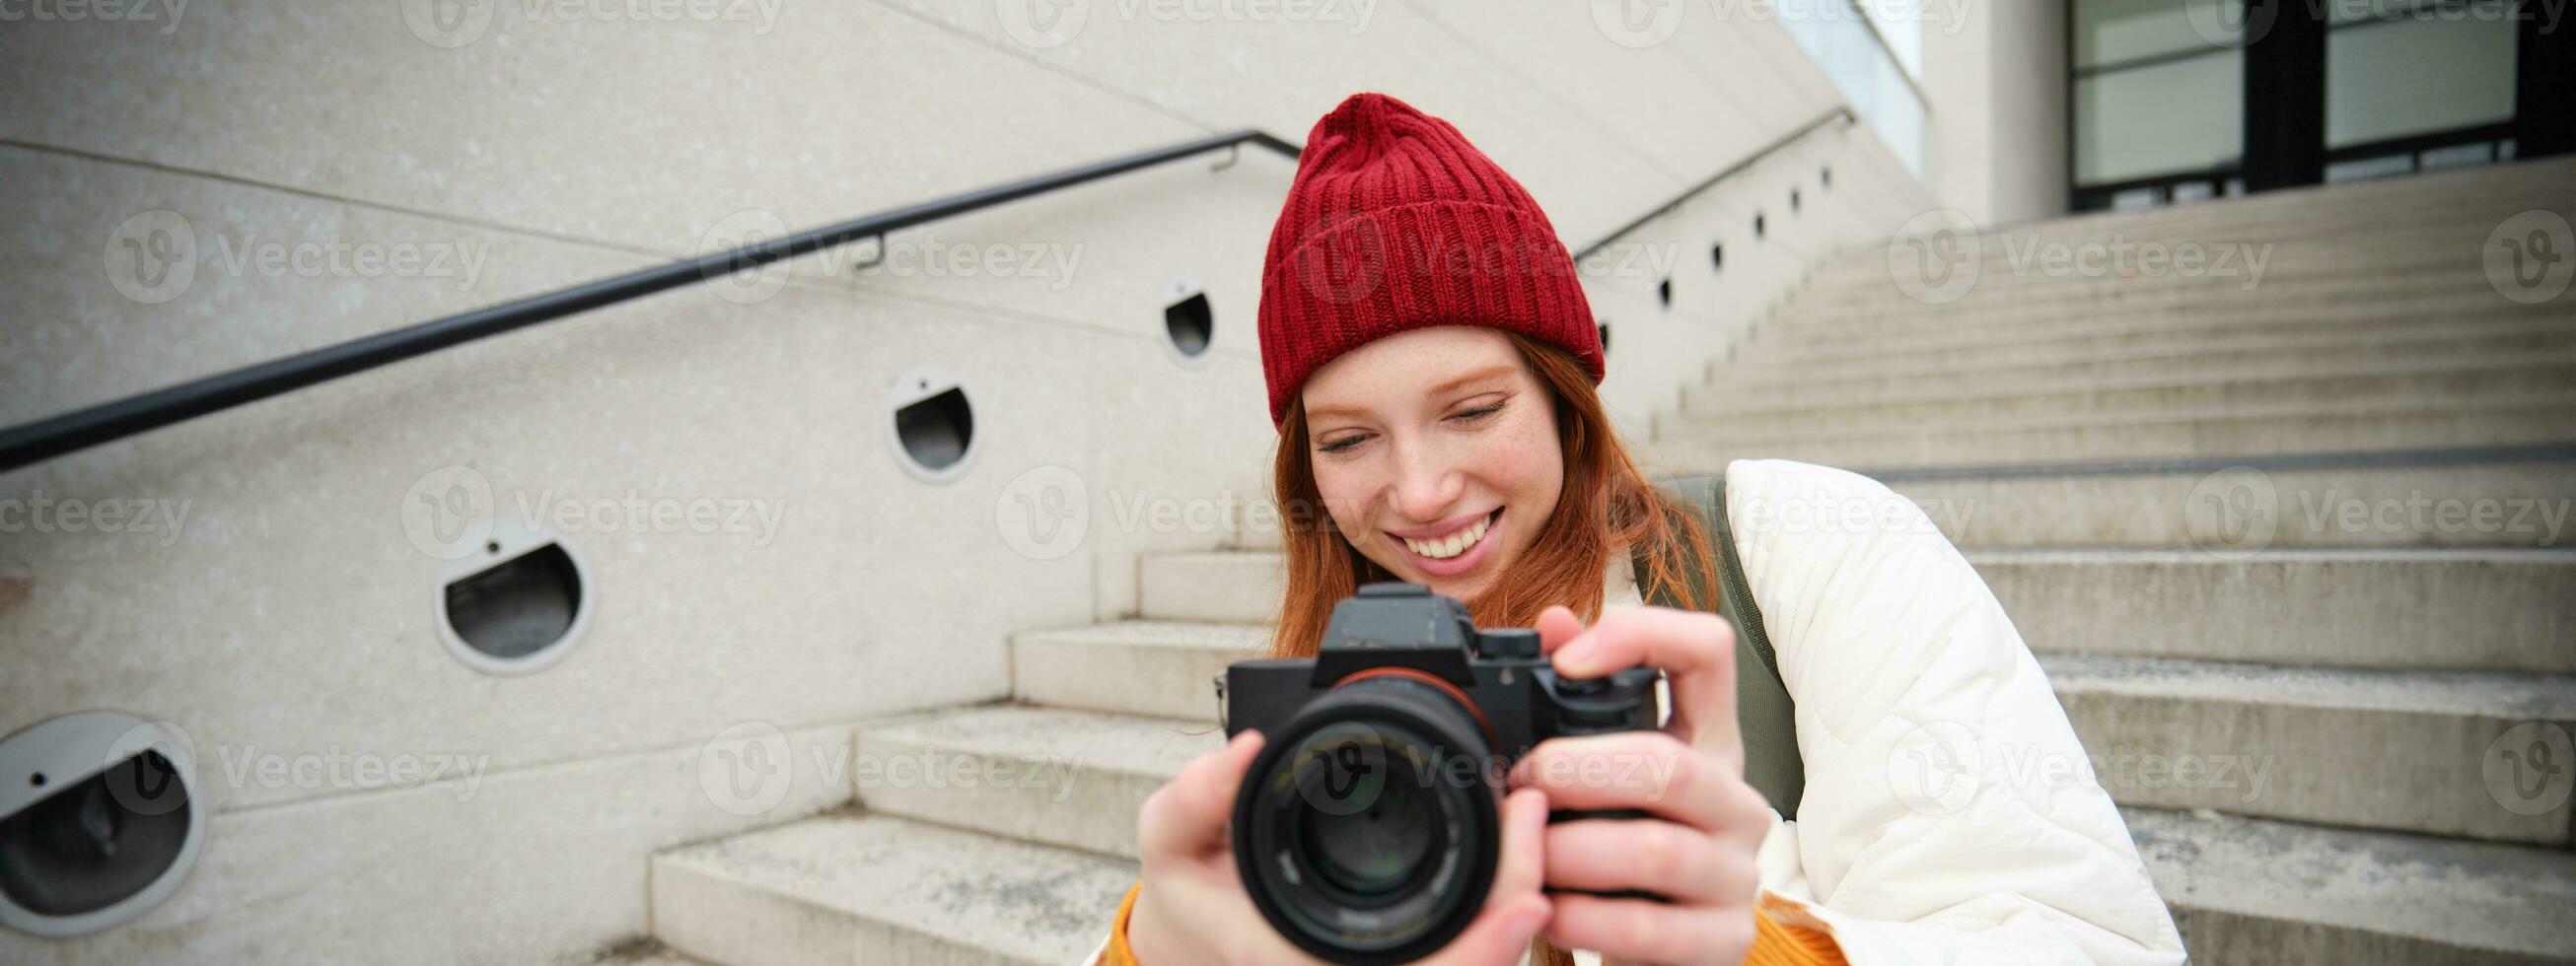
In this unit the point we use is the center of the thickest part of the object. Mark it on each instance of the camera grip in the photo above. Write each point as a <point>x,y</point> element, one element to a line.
<point>1577,814</point>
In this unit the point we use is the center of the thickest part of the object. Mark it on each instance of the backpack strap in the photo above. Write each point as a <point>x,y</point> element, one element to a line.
<point>1763,710</point>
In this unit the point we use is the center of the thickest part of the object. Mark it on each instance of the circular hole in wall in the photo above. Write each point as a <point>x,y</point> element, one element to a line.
<point>518,606</point>
<point>99,824</point>
<point>1717,256</point>
<point>1664,292</point>
<point>934,423</point>
<point>1189,323</point>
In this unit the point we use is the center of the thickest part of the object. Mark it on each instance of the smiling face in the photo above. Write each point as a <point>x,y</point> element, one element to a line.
<point>1435,451</point>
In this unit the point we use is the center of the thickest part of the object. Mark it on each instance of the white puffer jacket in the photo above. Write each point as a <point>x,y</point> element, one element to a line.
<point>1950,814</point>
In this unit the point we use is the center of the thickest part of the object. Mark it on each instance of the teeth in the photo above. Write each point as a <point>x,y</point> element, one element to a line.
<point>1452,545</point>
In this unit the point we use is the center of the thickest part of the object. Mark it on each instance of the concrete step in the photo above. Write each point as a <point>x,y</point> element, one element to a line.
<point>1158,668</point>
<point>1784,347</point>
<point>2500,610</point>
<point>1054,776</point>
<point>2005,290</point>
<point>2400,306</point>
<point>2486,610</point>
<point>2251,892</point>
<point>1746,385</point>
<point>849,887</point>
<point>1764,362</point>
<point>2176,434</point>
<point>2217,396</point>
<point>1226,586</point>
<point>2368,748</point>
<point>2403,751</point>
<point>2457,499</point>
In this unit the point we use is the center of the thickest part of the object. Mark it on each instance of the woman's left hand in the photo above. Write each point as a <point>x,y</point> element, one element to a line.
<point>1698,850</point>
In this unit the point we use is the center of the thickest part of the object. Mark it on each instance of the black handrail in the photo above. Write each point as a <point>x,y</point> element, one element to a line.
<point>80,429</point>
<point>1839,112</point>
<point>84,428</point>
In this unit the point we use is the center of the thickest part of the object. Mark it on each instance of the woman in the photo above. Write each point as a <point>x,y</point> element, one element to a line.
<point>1431,364</point>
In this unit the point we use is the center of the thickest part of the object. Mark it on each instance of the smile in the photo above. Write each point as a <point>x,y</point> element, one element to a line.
<point>1456,552</point>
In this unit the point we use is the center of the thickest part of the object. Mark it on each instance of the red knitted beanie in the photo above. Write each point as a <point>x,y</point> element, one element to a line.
<point>1395,222</point>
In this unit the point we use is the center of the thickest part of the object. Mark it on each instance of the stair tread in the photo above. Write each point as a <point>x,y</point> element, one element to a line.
<point>2478,895</point>
<point>1134,744</point>
<point>2470,693</point>
<point>1010,899</point>
<point>1160,633</point>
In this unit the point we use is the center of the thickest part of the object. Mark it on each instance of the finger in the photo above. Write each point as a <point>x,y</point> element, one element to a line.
<point>1696,650</point>
<point>1556,625</point>
<point>1648,770</point>
<point>1665,858</point>
<point>1188,815</point>
<point>1651,931</point>
<point>1522,869</point>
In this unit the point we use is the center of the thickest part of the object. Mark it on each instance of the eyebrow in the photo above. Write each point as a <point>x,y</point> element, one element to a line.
<point>1489,372</point>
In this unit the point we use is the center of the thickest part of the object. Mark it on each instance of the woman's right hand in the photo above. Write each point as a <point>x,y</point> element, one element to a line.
<point>1193,908</point>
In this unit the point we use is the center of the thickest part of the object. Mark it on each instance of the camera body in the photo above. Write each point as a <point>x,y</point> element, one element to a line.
<point>1367,830</point>
<point>1500,671</point>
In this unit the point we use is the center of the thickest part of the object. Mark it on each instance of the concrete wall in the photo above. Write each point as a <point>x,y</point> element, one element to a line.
<point>1996,79</point>
<point>281,608</point>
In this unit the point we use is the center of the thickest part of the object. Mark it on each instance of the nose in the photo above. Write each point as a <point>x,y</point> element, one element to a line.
<point>1426,484</point>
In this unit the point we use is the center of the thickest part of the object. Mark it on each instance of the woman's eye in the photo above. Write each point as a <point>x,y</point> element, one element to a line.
<point>1472,415</point>
<point>1342,445</point>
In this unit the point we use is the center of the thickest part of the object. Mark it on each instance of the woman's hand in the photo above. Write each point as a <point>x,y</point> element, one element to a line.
<point>1699,849</point>
<point>1193,908</point>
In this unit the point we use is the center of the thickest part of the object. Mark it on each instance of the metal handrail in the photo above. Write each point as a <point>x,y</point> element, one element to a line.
<point>1839,112</point>
<point>106,422</point>
<point>83,428</point>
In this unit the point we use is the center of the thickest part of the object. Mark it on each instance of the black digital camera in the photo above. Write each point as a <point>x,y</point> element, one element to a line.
<point>1368,828</point>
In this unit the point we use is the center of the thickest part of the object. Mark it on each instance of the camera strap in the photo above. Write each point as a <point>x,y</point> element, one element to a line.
<point>1765,715</point>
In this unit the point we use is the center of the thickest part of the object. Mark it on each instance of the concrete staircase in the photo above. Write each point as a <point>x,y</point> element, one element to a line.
<point>2355,683</point>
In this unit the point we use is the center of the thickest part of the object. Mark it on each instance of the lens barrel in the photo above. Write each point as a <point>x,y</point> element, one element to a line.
<point>1367,830</point>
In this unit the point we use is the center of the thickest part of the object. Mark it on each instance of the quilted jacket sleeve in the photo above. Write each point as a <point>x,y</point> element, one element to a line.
<point>1950,814</point>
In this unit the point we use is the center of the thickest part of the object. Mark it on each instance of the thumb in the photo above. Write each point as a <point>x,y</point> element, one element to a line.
<point>1187,816</point>
<point>1556,625</point>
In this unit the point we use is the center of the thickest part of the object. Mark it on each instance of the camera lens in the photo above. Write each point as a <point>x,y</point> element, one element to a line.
<point>1380,843</point>
<point>1366,829</point>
